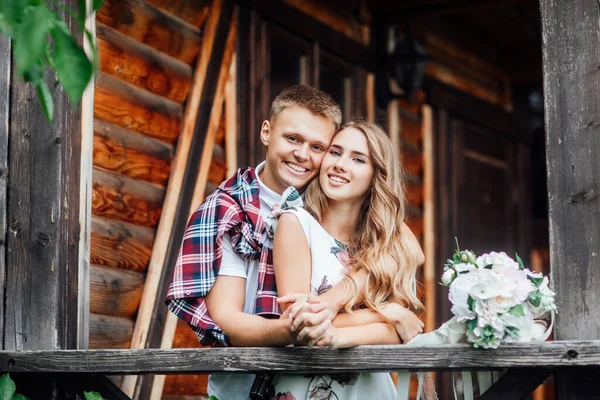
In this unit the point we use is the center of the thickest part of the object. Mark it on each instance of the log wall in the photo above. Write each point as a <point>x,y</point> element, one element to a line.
<point>147,53</point>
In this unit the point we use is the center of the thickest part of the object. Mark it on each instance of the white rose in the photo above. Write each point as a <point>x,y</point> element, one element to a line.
<point>485,316</point>
<point>463,267</point>
<point>500,260</point>
<point>448,276</point>
<point>515,281</point>
<point>501,304</point>
<point>523,324</point>
<point>459,292</point>
<point>488,285</point>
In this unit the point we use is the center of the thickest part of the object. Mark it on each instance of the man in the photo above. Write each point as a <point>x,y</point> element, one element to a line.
<point>224,284</point>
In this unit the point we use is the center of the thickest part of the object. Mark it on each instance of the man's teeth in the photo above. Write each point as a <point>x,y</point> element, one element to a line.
<point>295,167</point>
<point>338,179</point>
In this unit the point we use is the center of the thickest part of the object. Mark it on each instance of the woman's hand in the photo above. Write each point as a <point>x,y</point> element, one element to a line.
<point>407,324</point>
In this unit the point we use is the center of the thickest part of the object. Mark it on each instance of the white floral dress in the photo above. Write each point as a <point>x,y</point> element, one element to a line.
<point>328,257</point>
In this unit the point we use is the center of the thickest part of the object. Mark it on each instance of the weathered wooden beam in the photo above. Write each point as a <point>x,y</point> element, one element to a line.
<point>516,384</point>
<point>120,244</point>
<point>5,79</point>
<point>126,105</point>
<point>570,32</point>
<point>142,66</point>
<point>302,360</point>
<point>147,24</point>
<point>115,291</point>
<point>43,203</point>
<point>429,276</point>
<point>126,199</point>
<point>108,332</point>
<point>131,154</point>
<point>194,12</point>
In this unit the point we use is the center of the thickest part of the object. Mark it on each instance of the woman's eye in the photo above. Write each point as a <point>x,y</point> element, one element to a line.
<point>335,153</point>
<point>359,160</point>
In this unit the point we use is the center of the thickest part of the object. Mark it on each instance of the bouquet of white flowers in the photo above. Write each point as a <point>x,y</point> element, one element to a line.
<point>497,299</point>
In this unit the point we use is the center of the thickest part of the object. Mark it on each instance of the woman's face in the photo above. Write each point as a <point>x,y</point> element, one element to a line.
<point>346,170</point>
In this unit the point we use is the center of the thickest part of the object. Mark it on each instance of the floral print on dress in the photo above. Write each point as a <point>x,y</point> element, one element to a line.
<point>283,396</point>
<point>290,200</point>
<point>323,287</point>
<point>340,251</point>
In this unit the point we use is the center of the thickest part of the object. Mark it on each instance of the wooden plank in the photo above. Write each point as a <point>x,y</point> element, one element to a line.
<point>302,360</point>
<point>429,275</point>
<point>414,194</point>
<point>43,242</point>
<point>108,332</point>
<point>194,12</point>
<point>169,229</point>
<point>133,108</point>
<point>214,121</point>
<point>133,62</point>
<point>145,23</point>
<point>370,100</point>
<point>129,153</point>
<point>126,199</point>
<point>412,159</point>
<point>411,130</point>
<point>393,123</point>
<point>230,119</point>
<point>516,384</point>
<point>114,291</point>
<point>572,110</point>
<point>120,245</point>
<point>5,79</point>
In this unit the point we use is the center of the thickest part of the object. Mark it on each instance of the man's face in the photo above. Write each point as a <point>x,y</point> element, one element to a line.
<point>296,143</point>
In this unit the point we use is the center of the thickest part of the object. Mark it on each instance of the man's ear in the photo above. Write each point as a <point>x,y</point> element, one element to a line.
<point>265,132</point>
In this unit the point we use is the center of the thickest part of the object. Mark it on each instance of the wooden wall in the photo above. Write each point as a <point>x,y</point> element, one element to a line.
<point>147,51</point>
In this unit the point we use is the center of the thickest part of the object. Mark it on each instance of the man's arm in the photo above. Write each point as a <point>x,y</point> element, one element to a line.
<point>225,303</point>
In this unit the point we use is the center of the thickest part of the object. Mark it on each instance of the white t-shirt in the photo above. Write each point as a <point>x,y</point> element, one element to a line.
<point>237,386</point>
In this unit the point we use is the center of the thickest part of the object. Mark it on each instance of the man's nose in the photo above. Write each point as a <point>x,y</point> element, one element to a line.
<point>301,153</point>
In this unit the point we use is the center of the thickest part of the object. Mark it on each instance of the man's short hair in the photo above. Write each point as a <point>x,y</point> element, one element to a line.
<point>314,100</point>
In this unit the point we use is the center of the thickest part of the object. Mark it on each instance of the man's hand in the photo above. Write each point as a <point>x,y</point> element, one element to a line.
<point>407,324</point>
<point>311,317</point>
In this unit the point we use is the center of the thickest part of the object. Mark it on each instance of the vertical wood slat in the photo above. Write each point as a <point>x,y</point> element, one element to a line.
<point>231,119</point>
<point>429,219</point>
<point>571,54</point>
<point>179,173</point>
<point>202,177</point>
<point>5,79</point>
<point>85,193</point>
<point>43,214</point>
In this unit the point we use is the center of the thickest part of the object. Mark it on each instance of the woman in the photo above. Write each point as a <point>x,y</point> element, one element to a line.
<point>353,222</point>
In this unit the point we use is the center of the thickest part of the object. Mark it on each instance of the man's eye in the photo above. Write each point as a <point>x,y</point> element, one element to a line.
<point>292,139</point>
<point>318,148</point>
<point>335,153</point>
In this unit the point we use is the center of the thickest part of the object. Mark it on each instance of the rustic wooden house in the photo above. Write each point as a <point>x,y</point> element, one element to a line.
<point>94,206</point>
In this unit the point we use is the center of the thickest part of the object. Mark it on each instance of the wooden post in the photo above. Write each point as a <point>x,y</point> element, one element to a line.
<point>5,76</point>
<point>571,58</point>
<point>43,204</point>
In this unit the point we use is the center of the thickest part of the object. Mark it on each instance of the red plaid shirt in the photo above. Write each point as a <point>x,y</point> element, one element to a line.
<point>233,209</point>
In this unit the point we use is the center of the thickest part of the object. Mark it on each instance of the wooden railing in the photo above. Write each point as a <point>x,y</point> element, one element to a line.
<point>528,365</point>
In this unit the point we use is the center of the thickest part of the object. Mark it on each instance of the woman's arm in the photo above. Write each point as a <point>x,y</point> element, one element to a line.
<point>291,258</point>
<point>377,333</point>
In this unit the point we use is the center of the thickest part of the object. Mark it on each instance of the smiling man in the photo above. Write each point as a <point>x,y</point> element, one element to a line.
<point>224,284</point>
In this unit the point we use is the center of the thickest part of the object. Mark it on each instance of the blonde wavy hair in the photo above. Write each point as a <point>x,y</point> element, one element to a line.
<point>377,245</point>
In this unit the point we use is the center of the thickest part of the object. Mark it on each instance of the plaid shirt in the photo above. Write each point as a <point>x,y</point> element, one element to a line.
<point>233,209</point>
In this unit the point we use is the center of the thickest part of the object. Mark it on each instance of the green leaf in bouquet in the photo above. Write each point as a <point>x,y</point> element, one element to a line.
<point>71,63</point>
<point>7,387</point>
<point>521,265</point>
<point>512,331</point>
<point>517,311</point>
<point>471,324</point>
<point>471,303</point>
<point>487,331</point>
<point>489,266</point>
<point>31,37</point>
<point>45,97</point>
<point>536,281</point>
<point>456,258</point>
<point>535,298</point>
<point>19,397</point>
<point>93,396</point>
<point>13,10</point>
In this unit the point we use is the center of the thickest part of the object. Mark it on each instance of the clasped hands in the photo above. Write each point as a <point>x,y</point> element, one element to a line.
<point>312,321</point>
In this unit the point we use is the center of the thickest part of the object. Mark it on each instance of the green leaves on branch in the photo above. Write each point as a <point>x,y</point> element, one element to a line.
<point>40,38</point>
<point>8,389</point>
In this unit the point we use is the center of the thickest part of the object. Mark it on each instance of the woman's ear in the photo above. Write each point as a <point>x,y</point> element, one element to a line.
<point>265,132</point>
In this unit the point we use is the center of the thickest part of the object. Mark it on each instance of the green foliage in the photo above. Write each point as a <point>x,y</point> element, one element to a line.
<point>517,311</point>
<point>41,39</point>
<point>92,396</point>
<point>8,387</point>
